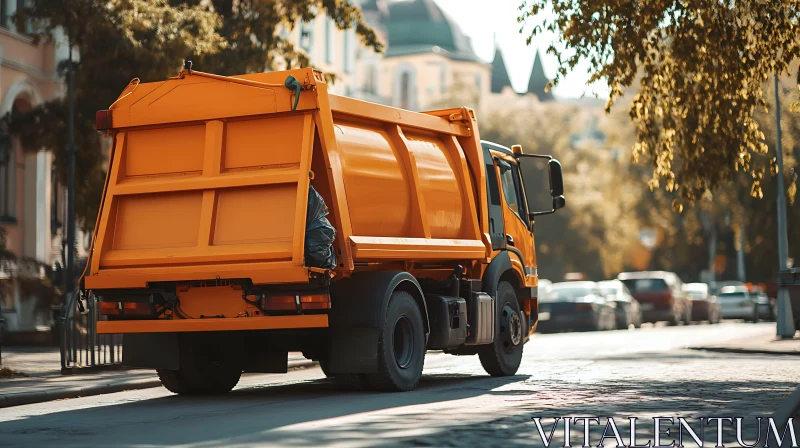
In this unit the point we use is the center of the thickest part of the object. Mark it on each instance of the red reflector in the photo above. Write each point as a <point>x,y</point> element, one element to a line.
<point>130,308</point>
<point>289,303</point>
<point>103,120</point>
<point>316,302</point>
<point>583,306</point>
<point>109,308</point>
<point>280,303</point>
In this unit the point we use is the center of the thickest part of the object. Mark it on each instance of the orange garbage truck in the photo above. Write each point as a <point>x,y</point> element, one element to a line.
<point>246,217</point>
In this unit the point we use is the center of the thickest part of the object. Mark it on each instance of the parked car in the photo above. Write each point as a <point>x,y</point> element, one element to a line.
<point>575,306</point>
<point>628,311</point>
<point>737,303</point>
<point>544,286</point>
<point>660,295</point>
<point>705,305</point>
<point>767,306</point>
<point>715,287</point>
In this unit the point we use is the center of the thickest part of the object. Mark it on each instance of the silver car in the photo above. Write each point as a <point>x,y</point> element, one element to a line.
<point>737,303</point>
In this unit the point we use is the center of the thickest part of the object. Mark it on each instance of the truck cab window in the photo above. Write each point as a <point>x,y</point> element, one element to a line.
<point>510,181</point>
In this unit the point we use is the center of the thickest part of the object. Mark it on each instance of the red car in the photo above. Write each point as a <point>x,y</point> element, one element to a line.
<point>660,295</point>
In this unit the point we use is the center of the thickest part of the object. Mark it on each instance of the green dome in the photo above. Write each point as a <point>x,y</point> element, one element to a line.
<point>420,26</point>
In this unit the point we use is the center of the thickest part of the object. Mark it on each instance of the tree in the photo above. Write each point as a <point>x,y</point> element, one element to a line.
<point>701,66</point>
<point>149,39</point>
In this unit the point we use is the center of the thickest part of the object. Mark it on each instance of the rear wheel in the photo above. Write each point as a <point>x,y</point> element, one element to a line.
<point>674,320</point>
<point>504,355</point>
<point>401,346</point>
<point>687,316</point>
<point>206,368</point>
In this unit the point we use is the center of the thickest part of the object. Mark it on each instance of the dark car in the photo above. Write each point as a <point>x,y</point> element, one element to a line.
<point>628,311</point>
<point>575,306</point>
<point>660,295</point>
<point>705,305</point>
<point>767,306</point>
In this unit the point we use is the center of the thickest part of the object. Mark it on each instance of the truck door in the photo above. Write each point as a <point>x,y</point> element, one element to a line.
<point>516,220</point>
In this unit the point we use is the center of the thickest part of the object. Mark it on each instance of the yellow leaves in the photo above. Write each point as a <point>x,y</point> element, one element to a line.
<point>698,75</point>
<point>756,191</point>
<point>677,206</point>
<point>791,193</point>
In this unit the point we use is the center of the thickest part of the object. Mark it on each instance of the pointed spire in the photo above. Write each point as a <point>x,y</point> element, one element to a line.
<point>500,77</point>
<point>538,80</point>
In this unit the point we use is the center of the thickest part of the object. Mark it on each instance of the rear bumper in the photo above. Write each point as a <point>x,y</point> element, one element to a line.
<point>657,315</point>
<point>738,312</point>
<point>564,320</point>
<point>213,324</point>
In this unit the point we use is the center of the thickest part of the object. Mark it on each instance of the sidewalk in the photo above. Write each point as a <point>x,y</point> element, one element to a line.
<point>41,380</point>
<point>768,344</point>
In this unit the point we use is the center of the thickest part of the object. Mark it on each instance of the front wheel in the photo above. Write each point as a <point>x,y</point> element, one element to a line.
<point>504,355</point>
<point>401,346</point>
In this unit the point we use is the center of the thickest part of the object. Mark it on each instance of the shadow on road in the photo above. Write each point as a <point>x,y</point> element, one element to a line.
<point>244,416</point>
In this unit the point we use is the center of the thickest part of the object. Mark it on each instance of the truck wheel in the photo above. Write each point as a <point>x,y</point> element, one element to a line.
<point>346,381</point>
<point>503,356</point>
<point>401,346</point>
<point>206,369</point>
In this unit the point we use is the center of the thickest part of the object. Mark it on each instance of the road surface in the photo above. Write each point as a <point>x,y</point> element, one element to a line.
<point>642,373</point>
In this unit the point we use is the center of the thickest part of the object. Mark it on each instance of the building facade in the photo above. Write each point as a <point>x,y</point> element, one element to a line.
<point>31,203</point>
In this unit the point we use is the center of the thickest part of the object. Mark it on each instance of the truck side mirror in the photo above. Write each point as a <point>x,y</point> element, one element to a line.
<point>530,176</point>
<point>559,202</point>
<point>556,181</point>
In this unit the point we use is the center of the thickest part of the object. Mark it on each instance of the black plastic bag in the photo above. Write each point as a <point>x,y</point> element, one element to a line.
<point>320,234</point>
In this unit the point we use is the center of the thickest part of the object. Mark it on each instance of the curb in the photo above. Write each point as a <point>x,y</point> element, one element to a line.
<point>24,398</point>
<point>747,351</point>
<point>785,411</point>
<point>20,399</point>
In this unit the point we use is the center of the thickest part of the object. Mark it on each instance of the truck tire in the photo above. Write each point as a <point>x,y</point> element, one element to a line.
<point>504,355</point>
<point>206,368</point>
<point>401,346</point>
<point>345,381</point>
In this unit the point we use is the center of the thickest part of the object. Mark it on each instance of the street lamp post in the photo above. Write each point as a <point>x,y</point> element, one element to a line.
<point>785,319</point>
<point>70,281</point>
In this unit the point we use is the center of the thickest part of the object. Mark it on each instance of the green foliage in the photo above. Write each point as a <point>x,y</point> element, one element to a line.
<point>702,68</point>
<point>117,40</point>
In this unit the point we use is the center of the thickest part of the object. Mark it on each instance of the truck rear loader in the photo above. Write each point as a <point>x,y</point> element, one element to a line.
<point>245,217</point>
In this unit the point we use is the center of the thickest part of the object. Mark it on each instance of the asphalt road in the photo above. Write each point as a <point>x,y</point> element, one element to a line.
<point>642,373</point>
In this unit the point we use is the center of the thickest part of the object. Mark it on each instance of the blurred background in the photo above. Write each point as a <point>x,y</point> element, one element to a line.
<point>438,54</point>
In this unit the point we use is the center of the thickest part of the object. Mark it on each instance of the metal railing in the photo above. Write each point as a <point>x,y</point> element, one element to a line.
<point>81,347</point>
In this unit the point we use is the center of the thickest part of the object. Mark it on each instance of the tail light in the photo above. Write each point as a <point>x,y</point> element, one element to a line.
<point>125,308</point>
<point>667,298</point>
<point>103,120</point>
<point>297,302</point>
<point>583,306</point>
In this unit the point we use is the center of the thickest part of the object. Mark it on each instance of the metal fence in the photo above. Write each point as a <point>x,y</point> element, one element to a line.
<point>81,347</point>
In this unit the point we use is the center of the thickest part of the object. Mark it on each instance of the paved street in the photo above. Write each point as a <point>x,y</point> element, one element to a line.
<point>642,373</point>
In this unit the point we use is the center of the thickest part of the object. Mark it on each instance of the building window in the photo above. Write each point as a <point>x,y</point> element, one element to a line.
<point>7,10</point>
<point>478,82</point>
<point>348,53</point>
<point>443,79</point>
<point>8,165</point>
<point>307,39</point>
<point>370,86</point>
<point>405,90</point>
<point>329,41</point>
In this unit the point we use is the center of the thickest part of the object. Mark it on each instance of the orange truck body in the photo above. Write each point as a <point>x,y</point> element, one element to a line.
<point>209,178</point>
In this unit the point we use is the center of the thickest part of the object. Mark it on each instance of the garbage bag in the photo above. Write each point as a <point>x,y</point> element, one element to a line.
<point>320,234</point>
